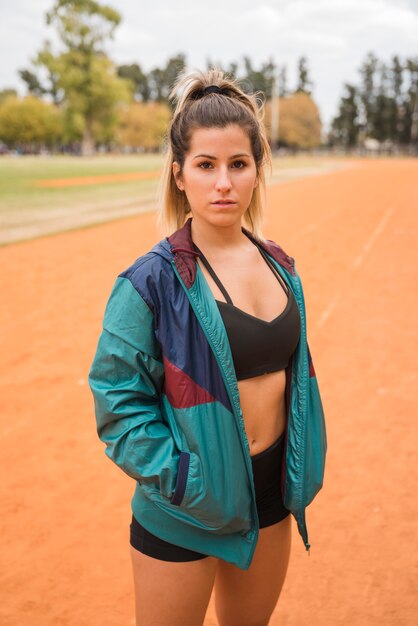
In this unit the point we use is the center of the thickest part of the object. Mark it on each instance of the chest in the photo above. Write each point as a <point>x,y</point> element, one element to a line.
<point>251,284</point>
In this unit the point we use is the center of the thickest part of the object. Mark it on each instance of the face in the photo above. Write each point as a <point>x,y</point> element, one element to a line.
<point>219,175</point>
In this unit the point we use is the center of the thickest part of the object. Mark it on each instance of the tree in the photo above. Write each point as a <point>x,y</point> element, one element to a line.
<point>259,80</point>
<point>396,80</point>
<point>93,99</point>
<point>32,82</point>
<point>29,123</point>
<point>81,76</point>
<point>304,82</point>
<point>412,102</point>
<point>161,80</point>
<point>282,82</point>
<point>367,92</point>
<point>138,78</point>
<point>345,126</point>
<point>384,105</point>
<point>143,125</point>
<point>52,66</point>
<point>300,122</point>
<point>384,117</point>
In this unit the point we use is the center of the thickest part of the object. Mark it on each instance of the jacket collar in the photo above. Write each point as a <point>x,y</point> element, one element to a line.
<point>181,245</point>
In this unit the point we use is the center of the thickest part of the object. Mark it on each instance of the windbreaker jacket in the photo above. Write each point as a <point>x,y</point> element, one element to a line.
<point>167,406</point>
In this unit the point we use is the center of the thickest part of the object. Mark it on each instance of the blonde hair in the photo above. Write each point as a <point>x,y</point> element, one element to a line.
<point>197,109</point>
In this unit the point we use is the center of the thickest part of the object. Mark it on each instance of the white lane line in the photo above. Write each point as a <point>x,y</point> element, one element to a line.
<point>375,234</point>
<point>305,231</point>
<point>325,315</point>
<point>357,263</point>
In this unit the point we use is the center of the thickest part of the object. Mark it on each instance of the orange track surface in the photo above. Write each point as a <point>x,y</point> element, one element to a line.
<point>65,508</point>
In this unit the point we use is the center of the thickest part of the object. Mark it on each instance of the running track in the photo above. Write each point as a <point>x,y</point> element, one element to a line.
<point>64,507</point>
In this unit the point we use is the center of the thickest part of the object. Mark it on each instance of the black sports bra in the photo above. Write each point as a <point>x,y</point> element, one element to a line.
<point>258,347</point>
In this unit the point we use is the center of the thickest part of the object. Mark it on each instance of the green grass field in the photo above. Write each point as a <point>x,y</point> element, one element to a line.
<point>27,210</point>
<point>18,177</point>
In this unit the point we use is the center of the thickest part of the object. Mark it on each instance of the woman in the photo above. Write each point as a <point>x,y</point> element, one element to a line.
<point>204,388</point>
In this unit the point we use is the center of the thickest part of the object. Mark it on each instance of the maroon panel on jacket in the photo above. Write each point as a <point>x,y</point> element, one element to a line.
<point>181,390</point>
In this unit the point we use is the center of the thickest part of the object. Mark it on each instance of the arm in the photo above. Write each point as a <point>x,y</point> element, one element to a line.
<point>126,380</point>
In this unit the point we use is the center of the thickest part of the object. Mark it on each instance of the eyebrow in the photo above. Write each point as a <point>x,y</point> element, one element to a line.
<point>208,156</point>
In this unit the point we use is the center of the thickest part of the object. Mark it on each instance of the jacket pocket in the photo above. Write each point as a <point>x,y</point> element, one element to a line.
<point>181,482</point>
<point>201,500</point>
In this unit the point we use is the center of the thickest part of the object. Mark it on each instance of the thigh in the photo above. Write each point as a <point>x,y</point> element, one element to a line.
<point>248,597</point>
<point>170,593</point>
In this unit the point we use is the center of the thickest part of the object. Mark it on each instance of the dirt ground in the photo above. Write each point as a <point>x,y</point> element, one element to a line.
<point>65,508</point>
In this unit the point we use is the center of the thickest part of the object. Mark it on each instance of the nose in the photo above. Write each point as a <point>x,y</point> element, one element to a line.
<point>223,182</point>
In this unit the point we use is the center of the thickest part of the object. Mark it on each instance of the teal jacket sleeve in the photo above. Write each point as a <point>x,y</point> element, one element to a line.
<point>126,379</point>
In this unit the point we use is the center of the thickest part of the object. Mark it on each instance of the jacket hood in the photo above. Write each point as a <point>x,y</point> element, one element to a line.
<point>179,246</point>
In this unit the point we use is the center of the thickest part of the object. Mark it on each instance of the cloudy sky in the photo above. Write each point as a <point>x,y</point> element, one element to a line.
<point>335,35</point>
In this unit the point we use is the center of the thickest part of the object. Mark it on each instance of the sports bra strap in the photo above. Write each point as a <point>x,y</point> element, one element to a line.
<point>212,273</point>
<point>273,268</point>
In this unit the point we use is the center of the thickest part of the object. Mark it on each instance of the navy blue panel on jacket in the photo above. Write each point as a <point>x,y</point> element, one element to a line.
<point>151,275</point>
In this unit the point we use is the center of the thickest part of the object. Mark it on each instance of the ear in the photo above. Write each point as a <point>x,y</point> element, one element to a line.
<point>256,182</point>
<point>177,175</point>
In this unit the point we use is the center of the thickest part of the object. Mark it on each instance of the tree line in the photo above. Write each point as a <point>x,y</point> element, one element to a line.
<point>78,99</point>
<point>382,106</point>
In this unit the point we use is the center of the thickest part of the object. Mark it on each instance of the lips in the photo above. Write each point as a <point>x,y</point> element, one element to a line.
<point>225,201</point>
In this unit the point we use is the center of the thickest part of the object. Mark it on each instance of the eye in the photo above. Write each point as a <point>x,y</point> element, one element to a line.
<point>205,165</point>
<point>239,165</point>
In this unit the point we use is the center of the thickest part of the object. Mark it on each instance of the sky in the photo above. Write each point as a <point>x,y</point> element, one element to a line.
<point>334,35</point>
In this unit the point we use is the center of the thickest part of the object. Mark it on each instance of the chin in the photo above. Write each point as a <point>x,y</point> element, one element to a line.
<point>225,217</point>
<point>225,220</point>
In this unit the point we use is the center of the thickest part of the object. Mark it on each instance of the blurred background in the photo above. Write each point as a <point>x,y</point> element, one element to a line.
<point>333,75</point>
<point>338,79</point>
<point>87,79</point>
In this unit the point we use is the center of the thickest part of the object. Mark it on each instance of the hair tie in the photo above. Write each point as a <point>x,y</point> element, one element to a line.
<point>201,93</point>
<point>213,89</point>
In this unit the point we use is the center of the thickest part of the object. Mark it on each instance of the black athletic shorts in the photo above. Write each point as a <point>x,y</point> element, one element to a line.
<point>267,477</point>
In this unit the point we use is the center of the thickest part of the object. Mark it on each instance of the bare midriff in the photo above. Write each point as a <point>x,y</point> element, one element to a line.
<point>263,407</point>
